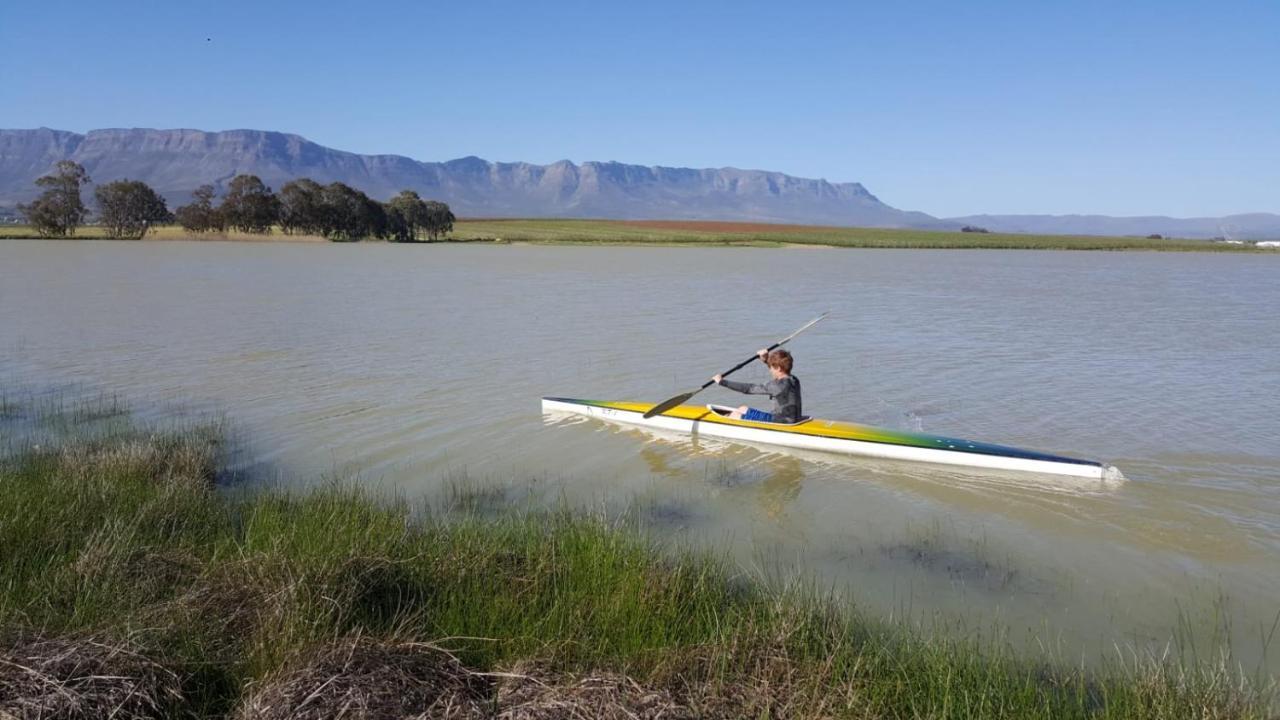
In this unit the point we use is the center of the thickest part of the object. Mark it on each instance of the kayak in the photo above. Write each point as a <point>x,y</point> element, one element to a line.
<point>834,436</point>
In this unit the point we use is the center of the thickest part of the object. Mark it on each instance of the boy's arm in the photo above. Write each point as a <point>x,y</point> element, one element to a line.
<point>747,388</point>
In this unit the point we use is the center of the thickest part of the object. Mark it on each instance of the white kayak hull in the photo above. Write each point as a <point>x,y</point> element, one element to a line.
<point>836,437</point>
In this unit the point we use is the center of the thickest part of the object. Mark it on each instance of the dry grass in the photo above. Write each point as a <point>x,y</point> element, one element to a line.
<point>363,678</point>
<point>165,462</point>
<point>528,692</point>
<point>66,678</point>
<point>165,232</point>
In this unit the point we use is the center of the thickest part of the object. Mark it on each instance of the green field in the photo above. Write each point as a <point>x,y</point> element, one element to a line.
<point>140,582</point>
<point>614,232</point>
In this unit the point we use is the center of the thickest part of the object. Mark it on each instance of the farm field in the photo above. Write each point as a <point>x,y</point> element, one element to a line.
<point>689,232</point>
<point>708,233</point>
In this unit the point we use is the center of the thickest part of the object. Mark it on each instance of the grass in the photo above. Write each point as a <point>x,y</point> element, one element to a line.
<point>160,232</point>
<point>764,235</point>
<point>122,553</point>
<point>679,233</point>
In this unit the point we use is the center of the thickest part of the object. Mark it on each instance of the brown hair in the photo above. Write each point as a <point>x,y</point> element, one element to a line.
<point>780,359</point>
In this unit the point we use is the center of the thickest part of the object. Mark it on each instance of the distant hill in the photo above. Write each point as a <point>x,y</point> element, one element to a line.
<point>1252,226</point>
<point>175,162</point>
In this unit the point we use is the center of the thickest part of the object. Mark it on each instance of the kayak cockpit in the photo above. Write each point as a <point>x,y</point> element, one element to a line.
<point>725,410</point>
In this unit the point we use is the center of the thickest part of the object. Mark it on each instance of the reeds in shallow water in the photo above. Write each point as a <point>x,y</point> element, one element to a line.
<point>123,559</point>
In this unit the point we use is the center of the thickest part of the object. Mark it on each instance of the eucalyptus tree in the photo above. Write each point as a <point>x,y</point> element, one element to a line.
<point>201,216</point>
<point>406,214</point>
<point>439,219</point>
<point>302,207</point>
<point>128,208</point>
<point>59,210</point>
<point>249,205</point>
<point>351,215</point>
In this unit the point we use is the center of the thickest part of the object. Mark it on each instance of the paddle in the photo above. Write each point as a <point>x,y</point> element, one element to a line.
<point>672,402</point>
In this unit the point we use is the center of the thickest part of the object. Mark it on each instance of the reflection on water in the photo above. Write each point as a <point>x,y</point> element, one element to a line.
<point>781,486</point>
<point>421,369</point>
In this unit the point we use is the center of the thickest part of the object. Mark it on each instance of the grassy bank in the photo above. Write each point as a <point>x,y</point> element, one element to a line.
<point>764,235</point>
<point>132,581</point>
<point>160,232</point>
<point>678,233</point>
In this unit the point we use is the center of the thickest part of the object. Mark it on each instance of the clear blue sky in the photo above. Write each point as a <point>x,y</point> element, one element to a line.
<point>1119,107</point>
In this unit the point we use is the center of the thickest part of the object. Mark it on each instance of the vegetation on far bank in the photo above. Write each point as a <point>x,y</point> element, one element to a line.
<point>304,209</point>
<point>662,232</point>
<point>129,209</point>
<point>134,586</point>
<point>620,232</point>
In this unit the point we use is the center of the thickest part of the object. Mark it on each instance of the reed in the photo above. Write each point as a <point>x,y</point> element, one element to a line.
<point>135,583</point>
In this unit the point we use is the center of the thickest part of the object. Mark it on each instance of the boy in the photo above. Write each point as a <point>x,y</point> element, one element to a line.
<point>784,389</point>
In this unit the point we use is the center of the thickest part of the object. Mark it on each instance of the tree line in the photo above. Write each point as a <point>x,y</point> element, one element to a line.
<point>126,208</point>
<point>337,211</point>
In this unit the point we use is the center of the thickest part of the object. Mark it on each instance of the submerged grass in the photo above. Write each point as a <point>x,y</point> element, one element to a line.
<point>132,584</point>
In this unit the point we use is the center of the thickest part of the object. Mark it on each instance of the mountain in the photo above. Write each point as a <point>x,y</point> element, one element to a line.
<point>174,162</point>
<point>1251,226</point>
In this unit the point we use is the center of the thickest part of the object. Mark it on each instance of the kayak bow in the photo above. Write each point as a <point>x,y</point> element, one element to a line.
<point>834,436</point>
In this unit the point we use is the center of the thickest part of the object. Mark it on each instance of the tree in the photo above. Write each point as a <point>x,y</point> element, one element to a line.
<point>439,219</point>
<point>249,205</point>
<point>201,216</point>
<point>399,229</point>
<point>409,216</point>
<point>59,210</point>
<point>302,207</point>
<point>349,214</point>
<point>128,208</point>
<point>406,213</point>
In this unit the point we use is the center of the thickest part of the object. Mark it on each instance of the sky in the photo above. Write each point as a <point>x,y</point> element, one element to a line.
<point>1124,107</point>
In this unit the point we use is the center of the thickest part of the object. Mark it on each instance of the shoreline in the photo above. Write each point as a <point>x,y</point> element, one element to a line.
<point>704,234</point>
<point>163,577</point>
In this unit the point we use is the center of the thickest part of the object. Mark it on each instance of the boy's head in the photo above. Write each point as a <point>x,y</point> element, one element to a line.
<point>779,360</point>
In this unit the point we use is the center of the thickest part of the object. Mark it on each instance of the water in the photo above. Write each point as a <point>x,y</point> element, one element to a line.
<point>416,367</point>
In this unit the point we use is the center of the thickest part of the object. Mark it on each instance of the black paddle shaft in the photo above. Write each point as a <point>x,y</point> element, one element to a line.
<point>672,402</point>
<point>739,366</point>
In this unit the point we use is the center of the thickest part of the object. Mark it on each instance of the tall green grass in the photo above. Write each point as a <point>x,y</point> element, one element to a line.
<point>128,536</point>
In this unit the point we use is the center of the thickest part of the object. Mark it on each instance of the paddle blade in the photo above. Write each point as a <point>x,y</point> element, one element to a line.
<point>667,405</point>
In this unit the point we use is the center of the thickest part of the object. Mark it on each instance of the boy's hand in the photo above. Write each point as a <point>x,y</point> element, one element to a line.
<point>763,354</point>
<point>717,378</point>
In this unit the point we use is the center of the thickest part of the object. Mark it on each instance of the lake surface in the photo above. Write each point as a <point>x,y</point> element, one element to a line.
<point>421,367</point>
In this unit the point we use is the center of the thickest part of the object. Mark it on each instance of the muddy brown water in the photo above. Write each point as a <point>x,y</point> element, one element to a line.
<point>417,368</point>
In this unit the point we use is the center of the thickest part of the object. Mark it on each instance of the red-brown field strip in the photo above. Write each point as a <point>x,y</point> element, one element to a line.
<point>721,227</point>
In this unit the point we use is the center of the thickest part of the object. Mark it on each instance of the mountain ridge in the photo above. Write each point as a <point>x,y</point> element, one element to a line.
<point>176,161</point>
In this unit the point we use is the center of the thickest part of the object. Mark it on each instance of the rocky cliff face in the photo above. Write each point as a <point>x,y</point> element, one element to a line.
<point>174,162</point>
